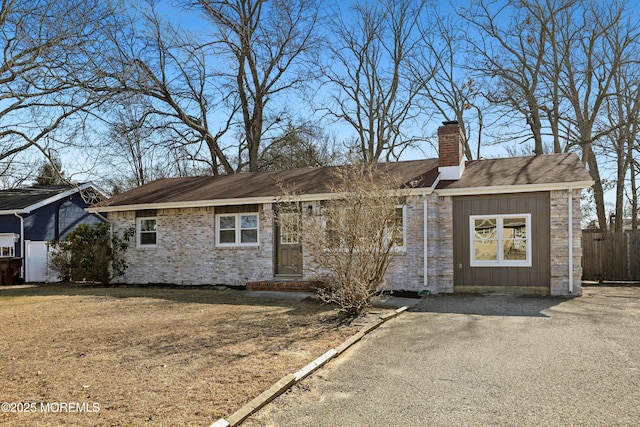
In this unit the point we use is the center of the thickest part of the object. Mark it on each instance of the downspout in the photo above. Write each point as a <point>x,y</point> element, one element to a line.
<point>426,242</point>
<point>22,248</point>
<point>425,225</point>
<point>570,239</point>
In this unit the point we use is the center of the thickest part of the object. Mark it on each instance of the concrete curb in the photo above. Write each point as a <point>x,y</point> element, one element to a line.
<point>285,383</point>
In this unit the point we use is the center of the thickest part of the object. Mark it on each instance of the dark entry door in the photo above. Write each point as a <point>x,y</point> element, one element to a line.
<point>288,246</point>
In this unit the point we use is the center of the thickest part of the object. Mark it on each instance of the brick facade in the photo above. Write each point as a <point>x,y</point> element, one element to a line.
<point>450,149</point>
<point>559,243</point>
<point>186,252</point>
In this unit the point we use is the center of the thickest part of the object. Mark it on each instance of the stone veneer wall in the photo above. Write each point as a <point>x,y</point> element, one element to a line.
<point>186,253</point>
<point>442,243</point>
<point>409,275</point>
<point>408,272</point>
<point>559,243</point>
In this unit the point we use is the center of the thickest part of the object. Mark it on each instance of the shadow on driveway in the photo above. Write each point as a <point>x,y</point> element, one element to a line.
<point>489,305</point>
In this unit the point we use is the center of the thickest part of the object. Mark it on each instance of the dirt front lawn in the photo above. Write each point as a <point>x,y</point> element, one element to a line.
<point>77,355</point>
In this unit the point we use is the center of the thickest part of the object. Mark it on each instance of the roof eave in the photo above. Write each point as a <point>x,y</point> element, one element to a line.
<point>203,203</point>
<point>522,188</point>
<point>232,202</point>
<point>71,191</point>
<point>12,212</point>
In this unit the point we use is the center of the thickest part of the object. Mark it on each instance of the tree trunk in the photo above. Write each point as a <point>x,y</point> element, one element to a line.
<point>598,191</point>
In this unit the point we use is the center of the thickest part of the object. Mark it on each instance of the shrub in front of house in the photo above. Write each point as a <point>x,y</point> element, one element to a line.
<point>90,254</point>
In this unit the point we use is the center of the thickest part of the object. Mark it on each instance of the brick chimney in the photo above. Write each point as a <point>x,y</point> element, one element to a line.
<point>450,151</point>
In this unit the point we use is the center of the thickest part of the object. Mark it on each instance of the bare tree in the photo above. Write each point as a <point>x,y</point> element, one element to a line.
<point>369,80</point>
<point>171,75</point>
<point>555,63</point>
<point>46,48</point>
<point>621,143</point>
<point>602,42</point>
<point>268,44</point>
<point>445,78</point>
<point>300,146</point>
<point>512,41</point>
<point>353,236</point>
<point>205,84</point>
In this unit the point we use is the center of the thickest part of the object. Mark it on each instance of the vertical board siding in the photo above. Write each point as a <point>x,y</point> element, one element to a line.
<point>538,205</point>
<point>611,256</point>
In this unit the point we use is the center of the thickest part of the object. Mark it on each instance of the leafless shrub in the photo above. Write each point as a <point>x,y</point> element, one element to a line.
<point>351,237</point>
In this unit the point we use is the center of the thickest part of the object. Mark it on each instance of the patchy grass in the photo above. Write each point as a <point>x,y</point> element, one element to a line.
<point>150,356</point>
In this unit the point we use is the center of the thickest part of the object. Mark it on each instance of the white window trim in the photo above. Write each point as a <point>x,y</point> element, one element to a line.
<point>8,240</point>
<point>500,262</point>
<point>139,243</point>
<point>402,248</point>
<point>238,231</point>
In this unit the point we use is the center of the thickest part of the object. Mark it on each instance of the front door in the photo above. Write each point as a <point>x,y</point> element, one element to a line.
<point>288,246</point>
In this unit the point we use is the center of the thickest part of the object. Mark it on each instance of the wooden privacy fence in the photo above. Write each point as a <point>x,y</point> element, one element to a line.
<point>611,256</point>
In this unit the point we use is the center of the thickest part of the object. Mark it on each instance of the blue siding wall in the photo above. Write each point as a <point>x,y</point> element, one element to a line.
<point>50,222</point>
<point>11,224</point>
<point>56,220</point>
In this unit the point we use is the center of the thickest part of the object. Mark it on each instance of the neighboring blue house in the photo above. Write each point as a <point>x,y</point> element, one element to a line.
<point>30,217</point>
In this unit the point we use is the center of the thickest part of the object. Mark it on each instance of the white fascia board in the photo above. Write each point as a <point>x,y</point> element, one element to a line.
<point>95,187</point>
<point>13,212</point>
<point>60,196</point>
<point>526,188</point>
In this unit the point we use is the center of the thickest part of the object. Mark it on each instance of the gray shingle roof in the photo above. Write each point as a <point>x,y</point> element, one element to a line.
<point>20,198</point>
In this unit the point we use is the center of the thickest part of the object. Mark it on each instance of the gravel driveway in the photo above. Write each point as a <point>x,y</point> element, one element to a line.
<point>483,360</point>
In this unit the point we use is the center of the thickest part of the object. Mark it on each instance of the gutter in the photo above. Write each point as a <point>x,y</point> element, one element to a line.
<point>425,239</point>
<point>570,215</point>
<point>23,268</point>
<point>425,280</point>
<point>502,189</point>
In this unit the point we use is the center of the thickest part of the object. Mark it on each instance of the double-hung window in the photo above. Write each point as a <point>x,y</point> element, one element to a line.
<point>237,229</point>
<point>500,240</point>
<point>146,235</point>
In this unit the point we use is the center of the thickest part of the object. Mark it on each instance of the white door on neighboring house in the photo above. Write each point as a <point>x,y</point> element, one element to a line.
<point>36,260</point>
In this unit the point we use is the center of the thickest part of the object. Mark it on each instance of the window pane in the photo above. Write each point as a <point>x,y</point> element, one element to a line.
<point>147,231</point>
<point>227,236</point>
<point>485,228</point>
<point>227,222</point>
<point>147,225</point>
<point>514,232</point>
<point>397,231</point>
<point>486,250</point>
<point>515,250</point>
<point>289,228</point>
<point>148,238</point>
<point>485,239</point>
<point>514,227</point>
<point>249,236</point>
<point>248,221</point>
